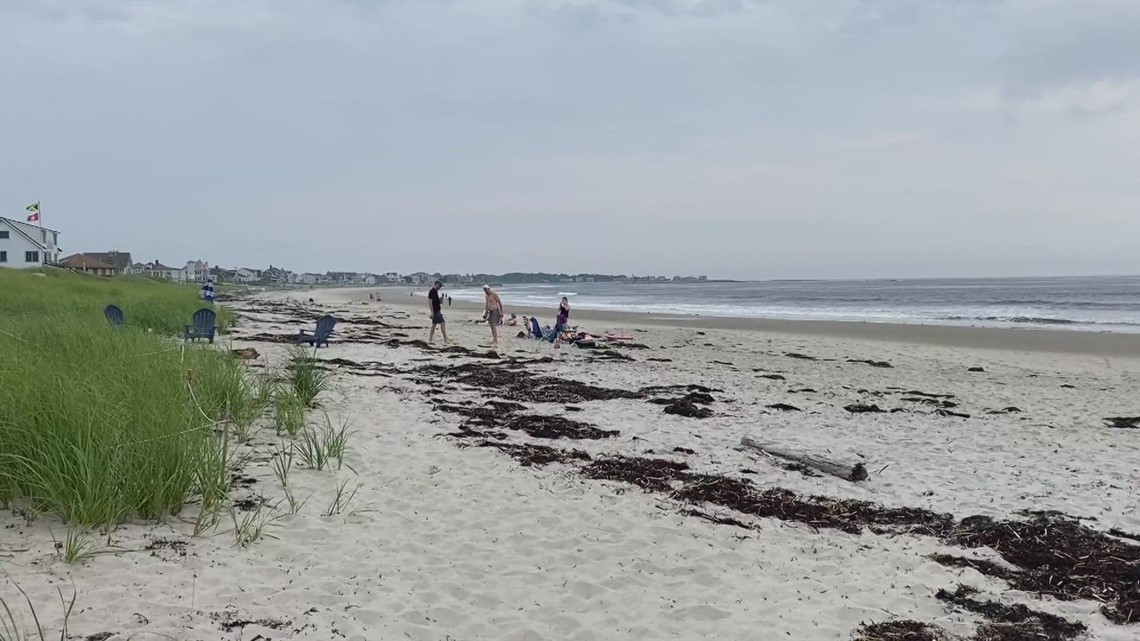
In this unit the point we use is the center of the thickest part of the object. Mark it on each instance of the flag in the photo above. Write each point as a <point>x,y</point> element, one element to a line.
<point>33,212</point>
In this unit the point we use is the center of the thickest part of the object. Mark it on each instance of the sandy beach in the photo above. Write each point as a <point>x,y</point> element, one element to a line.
<point>460,529</point>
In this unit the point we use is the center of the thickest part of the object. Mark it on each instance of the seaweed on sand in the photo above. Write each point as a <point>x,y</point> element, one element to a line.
<point>536,454</point>
<point>820,512</point>
<point>1011,622</point>
<point>1058,556</point>
<point>902,630</point>
<point>554,427</point>
<point>490,414</point>
<point>650,474</point>
<point>505,415</point>
<point>517,384</point>
<point>684,407</point>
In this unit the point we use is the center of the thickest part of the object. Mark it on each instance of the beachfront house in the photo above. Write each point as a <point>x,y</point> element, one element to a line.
<point>89,264</point>
<point>121,261</point>
<point>247,275</point>
<point>24,246</point>
<point>278,276</point>
<point>155,269</point>
<point>195,271</point>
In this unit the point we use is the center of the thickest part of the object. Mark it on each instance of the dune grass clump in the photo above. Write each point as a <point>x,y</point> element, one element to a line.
<point>306,377</point>
<point>288,413</point>
<point>101,425</point>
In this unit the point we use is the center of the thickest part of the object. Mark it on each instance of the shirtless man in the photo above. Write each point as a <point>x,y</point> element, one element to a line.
<point>493,312</point>
<point>435,308</point>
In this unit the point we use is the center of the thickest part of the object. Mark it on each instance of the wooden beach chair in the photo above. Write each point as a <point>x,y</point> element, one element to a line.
<point>115,316</point>
<point>202,325</point>
<point>321,333</point>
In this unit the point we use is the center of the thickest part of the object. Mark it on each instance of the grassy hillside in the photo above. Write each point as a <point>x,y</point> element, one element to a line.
<point>151,304</point>
<point>100,425</point>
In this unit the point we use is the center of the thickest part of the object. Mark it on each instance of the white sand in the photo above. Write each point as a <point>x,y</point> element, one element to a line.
<point>464,543</point>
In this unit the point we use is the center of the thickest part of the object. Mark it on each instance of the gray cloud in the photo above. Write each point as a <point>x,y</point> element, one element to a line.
<point>738,138</point>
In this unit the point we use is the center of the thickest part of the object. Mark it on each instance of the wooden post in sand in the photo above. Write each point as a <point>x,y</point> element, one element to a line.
<point>848,472</point>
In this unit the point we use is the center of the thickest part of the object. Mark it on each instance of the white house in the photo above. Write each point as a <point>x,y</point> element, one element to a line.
<point>246,275</point>
<point>196,271</point>
<point>24,246</point>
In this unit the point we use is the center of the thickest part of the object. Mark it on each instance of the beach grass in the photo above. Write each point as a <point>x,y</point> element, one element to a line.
<point>288,412</point>
<point>104,425</point>
<point>16,628</point>
<point>154,305</point>
<point>306,376</point>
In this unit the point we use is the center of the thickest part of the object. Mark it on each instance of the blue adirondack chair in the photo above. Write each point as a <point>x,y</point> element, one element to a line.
<point>114,316</point>
<point>324,329</point>
<point>202,325</point>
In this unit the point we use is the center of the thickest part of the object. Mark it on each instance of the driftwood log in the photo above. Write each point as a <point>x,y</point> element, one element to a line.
<point>846,471</point>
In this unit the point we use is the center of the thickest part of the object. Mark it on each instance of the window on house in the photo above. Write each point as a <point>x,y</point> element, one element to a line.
<point>3,234</point>
<point>31,257</point>
<point>3,257</point>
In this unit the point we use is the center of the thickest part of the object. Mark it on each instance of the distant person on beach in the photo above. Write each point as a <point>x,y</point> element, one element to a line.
<point>449,301</point>
<point>435,308</point>
<point>493,312</point>
<point>562,320</point>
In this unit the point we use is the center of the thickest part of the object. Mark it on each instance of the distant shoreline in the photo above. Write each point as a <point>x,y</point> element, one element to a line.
<point>1099,344</point>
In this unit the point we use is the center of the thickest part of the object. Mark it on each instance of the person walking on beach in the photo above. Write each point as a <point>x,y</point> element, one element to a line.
<point>435,308</point>
<point>493,312</point>
<point>561,321</point>
<point>449,301</point>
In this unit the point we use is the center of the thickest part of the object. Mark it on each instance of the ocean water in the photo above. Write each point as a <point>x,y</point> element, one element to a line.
<point>1090,304</point>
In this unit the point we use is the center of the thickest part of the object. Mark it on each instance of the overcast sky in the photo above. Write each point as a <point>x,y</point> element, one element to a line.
<point>734,138</point>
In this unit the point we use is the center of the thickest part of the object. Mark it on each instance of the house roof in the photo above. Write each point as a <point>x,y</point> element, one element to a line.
<point>20,229</point>
<point>159,267</point>
<point>85,261</point>
<point>117,259</point>
<point>24,224</point>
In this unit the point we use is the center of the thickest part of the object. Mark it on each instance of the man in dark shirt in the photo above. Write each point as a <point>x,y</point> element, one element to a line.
<point>436,309</point>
